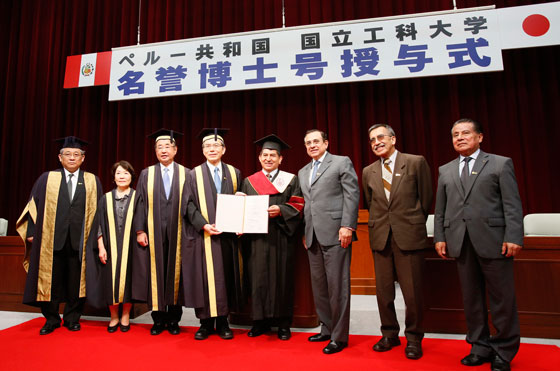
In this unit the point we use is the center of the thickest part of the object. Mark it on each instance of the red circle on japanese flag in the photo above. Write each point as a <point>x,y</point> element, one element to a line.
<point>536,25</point>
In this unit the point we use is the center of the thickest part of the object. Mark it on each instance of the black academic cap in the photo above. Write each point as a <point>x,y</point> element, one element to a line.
<point>272,142</point>
<point>71,142</point>
<point>213,133</point>
<point>165,134</point>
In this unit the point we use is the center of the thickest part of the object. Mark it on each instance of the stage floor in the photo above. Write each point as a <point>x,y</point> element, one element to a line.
<point>364,320</point>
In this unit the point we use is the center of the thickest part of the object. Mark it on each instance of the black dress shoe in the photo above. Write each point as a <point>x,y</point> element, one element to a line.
<point>258,331</point>
<point>112,329</point>
<point>203,333</point>
<point>334,347</point>
<point>225,332</point>
<point>125,328</point>
<point>173,328</point>
<point>48,328</point>
<point>474,360</point>
<point>157,328</point>
<point>386,343</point>
<point>284,333</point>
<point>413,350</point>
<point>499,364</point>
<point>73,326</point>
<point>319,337</point>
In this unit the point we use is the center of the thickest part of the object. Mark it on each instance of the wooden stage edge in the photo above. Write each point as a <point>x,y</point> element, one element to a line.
<point>537,281</point>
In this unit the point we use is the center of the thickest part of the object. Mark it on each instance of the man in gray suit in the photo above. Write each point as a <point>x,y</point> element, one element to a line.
<point>330,189</point>
<point>479,221</point>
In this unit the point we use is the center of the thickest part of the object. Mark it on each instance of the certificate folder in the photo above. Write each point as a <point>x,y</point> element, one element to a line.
<point>242,214</point>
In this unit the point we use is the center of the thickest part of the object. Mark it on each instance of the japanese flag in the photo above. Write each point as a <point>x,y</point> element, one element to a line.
<point>87,70</point>
<point>529,26</point>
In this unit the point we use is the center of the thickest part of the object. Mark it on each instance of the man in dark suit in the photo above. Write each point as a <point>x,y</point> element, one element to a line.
<point>479,221</point>
<point>56,225</point>
<point>330,188</point>
<point>398,191</point>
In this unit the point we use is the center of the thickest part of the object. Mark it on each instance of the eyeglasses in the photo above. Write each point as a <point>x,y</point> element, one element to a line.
<point>72,154</point>
<point>160,148</point>
<point>213,145</point>
<point>313,142</point>
<point>378,138</point>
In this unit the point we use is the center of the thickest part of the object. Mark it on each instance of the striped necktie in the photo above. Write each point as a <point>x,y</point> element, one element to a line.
<point>387,177</point>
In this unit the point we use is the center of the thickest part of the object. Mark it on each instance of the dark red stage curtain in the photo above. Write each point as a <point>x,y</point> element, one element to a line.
<point>519,107</point>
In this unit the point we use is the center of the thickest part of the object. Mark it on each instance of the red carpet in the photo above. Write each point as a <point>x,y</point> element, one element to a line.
<point>92,348</point>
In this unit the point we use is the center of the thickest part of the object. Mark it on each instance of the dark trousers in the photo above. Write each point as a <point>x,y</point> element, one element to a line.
<point>214,323</point>
<point>496,276</point>
<point>280,322</point>
<point>407,268</point>
<point>66,273</point>
<point>172,314</point>
<point>330,281</point>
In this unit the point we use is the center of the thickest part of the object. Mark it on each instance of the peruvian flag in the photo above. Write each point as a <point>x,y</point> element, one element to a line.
<point>530,25</point>
<point>87,70</point>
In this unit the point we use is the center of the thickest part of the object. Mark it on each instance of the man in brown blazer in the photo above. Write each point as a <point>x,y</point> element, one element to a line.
<point>398,192</point>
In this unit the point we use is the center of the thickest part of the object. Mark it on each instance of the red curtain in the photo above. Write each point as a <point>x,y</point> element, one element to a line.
<point>518,107</point>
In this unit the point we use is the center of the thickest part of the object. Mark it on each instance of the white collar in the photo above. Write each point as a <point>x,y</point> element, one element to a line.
<point>212,167</point>
<point>76,173</point>
<point>473,155</point>
<point>272,173</point>
<point>320,159</point>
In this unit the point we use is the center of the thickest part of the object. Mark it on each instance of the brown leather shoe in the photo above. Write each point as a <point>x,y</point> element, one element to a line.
<point>413,350</point>
<point>386,343</point>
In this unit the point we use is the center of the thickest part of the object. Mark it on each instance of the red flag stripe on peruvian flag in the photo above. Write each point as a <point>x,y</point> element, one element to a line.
<point>87,70</point>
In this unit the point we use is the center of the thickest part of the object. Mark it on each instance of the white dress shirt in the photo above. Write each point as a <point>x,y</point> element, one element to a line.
<point>74,180</point>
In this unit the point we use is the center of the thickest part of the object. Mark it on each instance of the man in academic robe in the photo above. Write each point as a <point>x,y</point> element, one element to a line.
<point>272,255</point>
<point>219,251</point>
<point>398,194</point>
<point>156,276</point>
<point>56,226</point>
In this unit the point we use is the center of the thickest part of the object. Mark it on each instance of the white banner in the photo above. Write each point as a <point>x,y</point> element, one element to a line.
<point>364,50</point>
<point>530,25</point>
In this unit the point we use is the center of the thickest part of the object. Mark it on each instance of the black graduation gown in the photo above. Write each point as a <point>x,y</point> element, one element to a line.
<point>62,218</point>
<point>106,283</point>
<point>224,247</point>
<point>156,273</point>
<point>271,266</point>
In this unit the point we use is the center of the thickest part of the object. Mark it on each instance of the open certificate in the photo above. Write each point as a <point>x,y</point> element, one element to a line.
<point>242,214</point>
